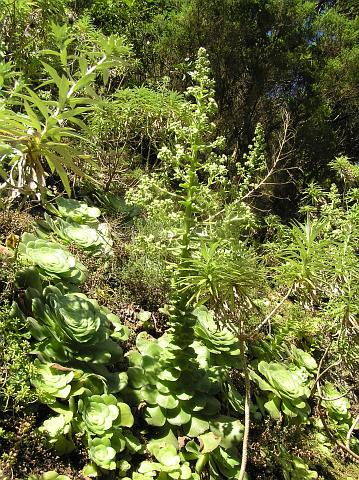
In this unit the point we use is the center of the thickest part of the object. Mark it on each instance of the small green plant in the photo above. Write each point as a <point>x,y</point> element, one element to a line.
<point>289,389</point>
<point>39,135</point>
<point>305,269</point>
<point>16,367</point>
<point>50,259</point>
<point>74,211</point>
<point>294,468</point>
<point>71,326</point>
<point>50,475</point>
<point>90,238</point>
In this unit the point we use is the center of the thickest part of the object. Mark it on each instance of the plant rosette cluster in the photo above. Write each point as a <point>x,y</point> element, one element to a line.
<point>215,451</point>
<point>223,345</point>
<point>75,211</point>
<point>104,420</point>
<point>172,398</point>
<point>71,326</point>
<point>294,468</point>
<point>98,418</point>
<point>91,238</point>
<point>169,465</point>
<point>77,339</point>
<point>77,223</point>
<point>50,475</point>
<point>175,400</point>
<point>52,260</point>
<point>289,390</point>
<point>339,416</point>
<point>205,452</point>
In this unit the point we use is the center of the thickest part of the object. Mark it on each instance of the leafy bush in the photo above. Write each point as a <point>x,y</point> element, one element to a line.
<point>39,136</point>
<point>16,367</point>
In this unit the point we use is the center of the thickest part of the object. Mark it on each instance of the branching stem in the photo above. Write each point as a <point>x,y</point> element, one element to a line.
<point>274,311</point>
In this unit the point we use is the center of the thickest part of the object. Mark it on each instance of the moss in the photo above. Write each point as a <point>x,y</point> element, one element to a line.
<point>16,365</point>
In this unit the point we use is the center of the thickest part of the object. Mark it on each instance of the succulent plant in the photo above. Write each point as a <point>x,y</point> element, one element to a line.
<point>220,462</point>
<point>289,390</point>
<point>304,359</point>
<point>169,464</point>
<point>172,397</point>
<point>75,210</point>
<point>294,468</point>
<point>100,413</point>
<point>72,326</point>
<point>221,342</point>
<point>51,475</point>
<point>338,408</point>
<point>51,259</point>
<point>93,238</point>
<point>52,381</point>
<point>58,430</point>
<point>102,453</point>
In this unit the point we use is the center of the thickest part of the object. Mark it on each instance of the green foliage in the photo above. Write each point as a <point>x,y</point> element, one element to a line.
<point>289,389</point>
<point>129,129</point>
<point>346,171</point>
<point>51,259</point>
<point>102,412</point>
<point>294,468</point>
<point>51,475</point>
<point>16,367</point>
<point>246,294</point>
<point>72,326</point>
<point>254,165</point>
<point>305,269</point>
<point>74,211</point>
<point>41,132</point>
<point>93,238</point>
<point>338,408</point>
<point>50,382</point>
<point>209,275</point>
<point>168,463</point>
<point>102,454</point>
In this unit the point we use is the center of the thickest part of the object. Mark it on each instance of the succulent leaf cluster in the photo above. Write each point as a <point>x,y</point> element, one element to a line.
<point>288,390</point>
<point>75,211</point>
<point>77,340</point>
<point>222,344</point>
<point>50,475</point>
<point>92,238</point>
<point>51,259</point>
<point>173,398</point>
<point>71,326</point>
<point>294,468</point>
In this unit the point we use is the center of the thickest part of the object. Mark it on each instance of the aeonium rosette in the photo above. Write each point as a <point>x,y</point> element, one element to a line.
<point>51,259</point>
<point>71,326</point>
<point>289,390</point>
<point>100,413</point>
<point>93,238</point>
<point>74,210</point>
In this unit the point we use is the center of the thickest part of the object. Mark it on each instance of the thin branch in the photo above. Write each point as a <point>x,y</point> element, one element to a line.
<point>278,158</point>
<point>274,311</point>
<point>356,421</point>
